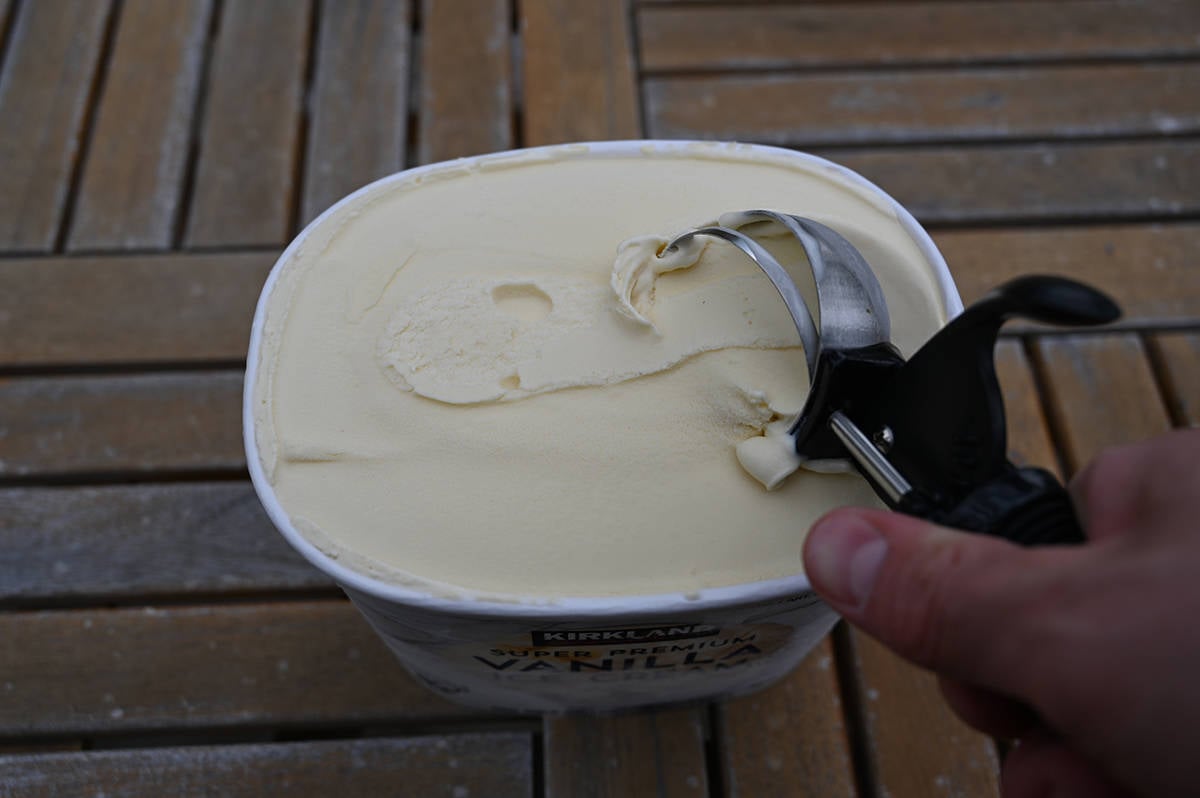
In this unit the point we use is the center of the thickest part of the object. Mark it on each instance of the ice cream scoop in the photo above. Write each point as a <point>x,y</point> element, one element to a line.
<point>928,433</point>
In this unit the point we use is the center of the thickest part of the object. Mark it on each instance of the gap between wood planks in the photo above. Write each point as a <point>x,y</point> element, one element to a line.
<point>870,67</point>
<point>75,177</point>
<point>219,734</point>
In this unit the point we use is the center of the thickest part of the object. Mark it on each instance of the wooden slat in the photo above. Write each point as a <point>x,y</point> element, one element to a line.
<point>127,541</point>
<point>1178,355</point>
<point>917,745</point>
<point>790,739</point>
<point>919,106</point>
<point>1038,182</point>
<point>359,105</point>
<point>466,97</point>
<point>149,308</point>
<point>44,90</point>
<point>1151,270</point>
<point>66,672</point>
<point>645,753</point>
<point>66,425</point>
<point>1029,441</point>
<point>1102,392</point>
<point>790,36</point>
<point>130,192</point>
<point>579,81</point>
<point>456,766</point>
<point>248,146</point>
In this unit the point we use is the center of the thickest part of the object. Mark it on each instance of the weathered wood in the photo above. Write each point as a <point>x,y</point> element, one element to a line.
<point>795,36</point>
<point>466,66</point>
<point>790,739</point>
<point>248,146</point>
<point>359,106</point>
<point>454,766</point>
<point>1102,392</point>
<point>1029,441</point>
<point>142,541</point>
<point>1038,182</point>
<point>140,423</point>
<point>917,745</point>
<point>645,753</point>
<point>579,81</point>
<point>88,671</point>
<point>926,106</point>
<point>5,22</point>
<point>1151,270</point>
<point>131,187</point>
<point>148,308</point>
<point>44,89</point>
<point>1178,356</point>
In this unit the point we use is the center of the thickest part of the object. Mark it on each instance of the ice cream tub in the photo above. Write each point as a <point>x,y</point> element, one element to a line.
<point>479,401</point>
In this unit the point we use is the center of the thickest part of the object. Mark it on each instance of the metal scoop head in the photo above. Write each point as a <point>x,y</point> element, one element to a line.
<point>851,312</point>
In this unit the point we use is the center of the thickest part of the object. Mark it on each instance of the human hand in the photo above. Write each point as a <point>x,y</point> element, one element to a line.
<point>1088,655</point>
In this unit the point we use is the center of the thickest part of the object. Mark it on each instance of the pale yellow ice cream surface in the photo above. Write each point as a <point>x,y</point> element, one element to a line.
<point>457,390</point>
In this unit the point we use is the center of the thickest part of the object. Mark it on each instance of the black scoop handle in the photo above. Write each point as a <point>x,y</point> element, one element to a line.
<point>1028,506</point>
<point>947,413</point>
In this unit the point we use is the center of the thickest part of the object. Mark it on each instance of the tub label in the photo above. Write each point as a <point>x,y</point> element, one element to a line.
<point>643,634</point>
<point>570,664</point>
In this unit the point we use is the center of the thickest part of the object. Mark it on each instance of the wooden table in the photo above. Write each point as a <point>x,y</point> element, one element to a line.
<point>158,637</point>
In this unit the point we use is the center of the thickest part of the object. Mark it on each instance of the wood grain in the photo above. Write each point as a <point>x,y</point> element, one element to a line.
<point>91,671</point>
<point>104,544</point>
<point>1101,391</point>
<point>466,66</point>
<point>5,22</point>
<point>44,90</point>
<point>790,739</point>
<point>579,81</point>
<point>1072,180</point>
<point>654,752</point>
<point>929,106</point>
<point>447,766</point>
<point>359,107</point>
<point>1029,442</point>
<point>795,36</point>
<point>128,309</point>
<point>130,192</point>
<point>1151,270</point>
<point>917,745</point>
<point>1178,356</point>
<point>55,426</point>
<point>249,141</point>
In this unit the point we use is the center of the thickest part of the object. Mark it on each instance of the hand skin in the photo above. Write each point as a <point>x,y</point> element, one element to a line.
<point>1089,656</point>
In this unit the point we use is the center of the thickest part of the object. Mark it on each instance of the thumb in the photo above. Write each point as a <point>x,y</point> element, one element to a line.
<point>957,603</point>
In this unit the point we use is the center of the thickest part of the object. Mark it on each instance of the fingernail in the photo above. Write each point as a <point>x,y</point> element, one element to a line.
<point>842,558</point>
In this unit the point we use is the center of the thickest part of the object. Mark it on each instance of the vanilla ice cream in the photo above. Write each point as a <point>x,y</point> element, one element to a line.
<point>481,380</point>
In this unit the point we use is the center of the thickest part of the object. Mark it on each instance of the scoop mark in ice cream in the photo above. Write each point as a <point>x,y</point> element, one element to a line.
<point>522,301</point>
<point>537,334</point>
<point>639,263</point>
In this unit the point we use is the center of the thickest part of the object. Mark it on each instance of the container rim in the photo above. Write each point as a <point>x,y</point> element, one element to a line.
<point>463,602</point>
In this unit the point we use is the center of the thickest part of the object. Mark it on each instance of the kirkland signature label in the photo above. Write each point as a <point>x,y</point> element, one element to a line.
<point>644,634</point>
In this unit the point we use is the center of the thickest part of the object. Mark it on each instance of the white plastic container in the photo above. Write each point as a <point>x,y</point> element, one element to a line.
<point>597,654</point>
